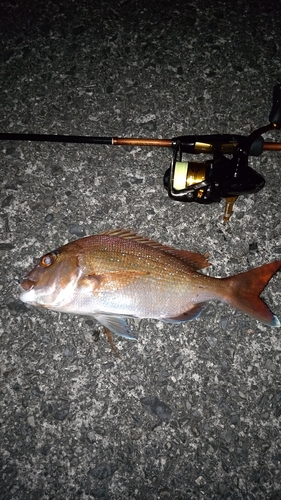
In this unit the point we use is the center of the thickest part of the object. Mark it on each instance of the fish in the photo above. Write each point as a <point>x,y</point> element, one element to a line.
<point>119,274</point>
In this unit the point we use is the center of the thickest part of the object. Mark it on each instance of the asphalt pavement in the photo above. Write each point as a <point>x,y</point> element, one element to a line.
<point>188,411</point>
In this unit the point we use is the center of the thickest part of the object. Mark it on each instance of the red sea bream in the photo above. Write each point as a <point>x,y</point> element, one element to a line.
<point>119,274</point>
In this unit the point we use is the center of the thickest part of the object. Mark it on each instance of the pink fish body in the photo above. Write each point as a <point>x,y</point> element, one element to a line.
<point>120,274</point>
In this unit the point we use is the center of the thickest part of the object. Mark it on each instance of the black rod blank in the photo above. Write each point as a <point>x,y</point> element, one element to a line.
<point>56,138</point>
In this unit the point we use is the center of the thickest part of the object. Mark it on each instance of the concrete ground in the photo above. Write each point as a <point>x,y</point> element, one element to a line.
<point>189,411</point>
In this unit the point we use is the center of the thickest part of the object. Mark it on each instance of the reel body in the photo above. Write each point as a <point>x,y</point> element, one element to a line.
<point>220,177</point>
<point>209,181</point>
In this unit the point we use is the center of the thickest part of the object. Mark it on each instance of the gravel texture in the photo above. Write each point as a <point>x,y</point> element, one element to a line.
<point>189,411</point>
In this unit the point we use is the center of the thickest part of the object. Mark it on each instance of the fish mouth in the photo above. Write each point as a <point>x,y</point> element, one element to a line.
<point>26,292</point>
<point>26,285</point>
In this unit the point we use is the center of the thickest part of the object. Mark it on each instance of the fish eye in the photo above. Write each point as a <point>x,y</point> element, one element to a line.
<point>48,259</point>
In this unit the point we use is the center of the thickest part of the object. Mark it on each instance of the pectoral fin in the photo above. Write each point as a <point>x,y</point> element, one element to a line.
<point>111,280</point>
<point>116,325</point>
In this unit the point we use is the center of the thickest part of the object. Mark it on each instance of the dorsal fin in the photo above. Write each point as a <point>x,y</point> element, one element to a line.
<point>194,259</point>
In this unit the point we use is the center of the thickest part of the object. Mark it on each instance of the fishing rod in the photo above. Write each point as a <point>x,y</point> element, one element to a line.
<point>203,182</point>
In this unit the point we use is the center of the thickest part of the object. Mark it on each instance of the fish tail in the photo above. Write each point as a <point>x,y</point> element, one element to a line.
<point>243,290</point>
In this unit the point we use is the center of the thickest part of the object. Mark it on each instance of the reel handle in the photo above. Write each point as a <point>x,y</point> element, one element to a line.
<point>275,113</point>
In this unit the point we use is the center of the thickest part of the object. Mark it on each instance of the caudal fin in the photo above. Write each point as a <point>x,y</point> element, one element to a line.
<point>243,290</point>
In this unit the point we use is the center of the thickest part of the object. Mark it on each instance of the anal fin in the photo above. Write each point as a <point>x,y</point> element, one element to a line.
<point>192,313</point>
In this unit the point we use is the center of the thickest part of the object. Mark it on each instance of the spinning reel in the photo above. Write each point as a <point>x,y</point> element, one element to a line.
<point>202,182</point>
<point>221,177</point>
